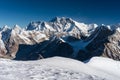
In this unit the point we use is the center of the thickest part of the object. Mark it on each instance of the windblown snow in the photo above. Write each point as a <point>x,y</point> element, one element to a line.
<point>58,68</point>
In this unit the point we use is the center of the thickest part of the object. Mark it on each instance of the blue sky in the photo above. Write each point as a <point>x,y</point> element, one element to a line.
<point>22,12</point>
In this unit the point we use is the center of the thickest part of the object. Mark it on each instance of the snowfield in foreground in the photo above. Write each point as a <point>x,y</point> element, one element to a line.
<point>58,68</point>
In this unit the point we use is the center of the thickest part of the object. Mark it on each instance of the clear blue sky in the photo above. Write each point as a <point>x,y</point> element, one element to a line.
<point>21,12</point>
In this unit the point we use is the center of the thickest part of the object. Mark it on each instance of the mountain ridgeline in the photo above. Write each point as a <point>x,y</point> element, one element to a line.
<point>60,37</point>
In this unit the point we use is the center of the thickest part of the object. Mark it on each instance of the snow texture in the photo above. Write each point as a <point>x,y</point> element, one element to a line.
<point>55,68</point>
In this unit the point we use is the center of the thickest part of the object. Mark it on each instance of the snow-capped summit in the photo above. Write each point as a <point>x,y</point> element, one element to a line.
<point>17,28</point>
<point>5,28</point>
<point>56,19</point>
<point>62,19</point>
<point>62,26</point>
<point>33,25</point>
<point>5,33</point>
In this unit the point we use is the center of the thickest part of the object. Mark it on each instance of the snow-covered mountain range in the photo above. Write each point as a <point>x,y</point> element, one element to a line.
<point>60,37</point>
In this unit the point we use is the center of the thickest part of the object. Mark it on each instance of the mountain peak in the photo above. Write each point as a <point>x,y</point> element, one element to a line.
<point>5,28</point>
<point>16,26</point>
<point>62,19</point>
<point>55,19</point>
<point>33,25</point>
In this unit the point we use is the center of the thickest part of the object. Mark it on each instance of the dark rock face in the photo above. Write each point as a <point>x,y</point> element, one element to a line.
<point>44,50</point>
<point>96,43</point>
<point>103,42</point>
<point>99,38</point>
<point>83,55</point>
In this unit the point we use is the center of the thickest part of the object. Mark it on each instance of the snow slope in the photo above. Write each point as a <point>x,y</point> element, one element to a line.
<point>56,68</point>
<point>107,65</point>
